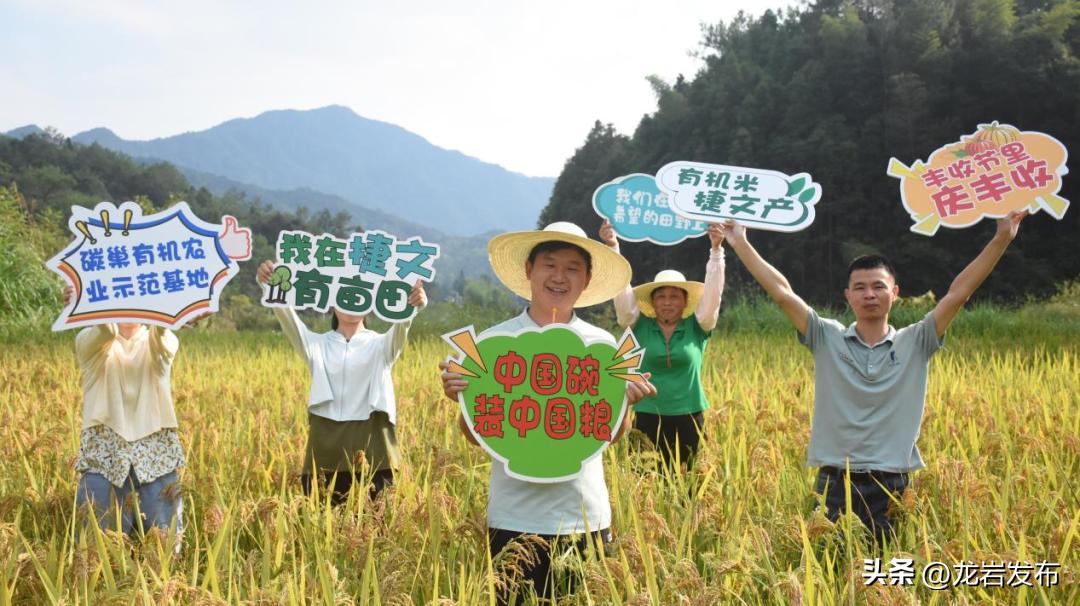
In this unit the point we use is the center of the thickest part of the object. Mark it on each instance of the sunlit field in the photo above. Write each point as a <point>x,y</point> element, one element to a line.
<point>1001,439</point>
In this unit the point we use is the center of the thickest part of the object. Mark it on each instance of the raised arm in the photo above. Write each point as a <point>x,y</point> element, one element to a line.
<point>774,282</point>
<point>708,308</point>
<point>626,308</point>
<point>90,341</point>
<point>291,325</point>
<point>398,334</point>
<point>163,346</point>
<point>93,341</point>
<point>968,281</point>
<point>635,392</point>
<point>454,384</point>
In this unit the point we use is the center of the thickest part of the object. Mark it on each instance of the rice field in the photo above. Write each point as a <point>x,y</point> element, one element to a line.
<point>1001,438</point>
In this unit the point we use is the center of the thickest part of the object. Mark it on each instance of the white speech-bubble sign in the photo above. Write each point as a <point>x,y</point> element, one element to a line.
<point>764,199</point>
<point>162,269</point>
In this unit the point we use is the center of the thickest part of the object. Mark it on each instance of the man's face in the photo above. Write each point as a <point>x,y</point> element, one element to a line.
<point>871,293</point>
<point>669,303</point>
<point>557,278</point>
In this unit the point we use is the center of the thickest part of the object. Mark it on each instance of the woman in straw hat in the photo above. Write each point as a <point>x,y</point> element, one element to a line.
<point>556,270</point>
<point>672,319</point>
<point>352,410</point>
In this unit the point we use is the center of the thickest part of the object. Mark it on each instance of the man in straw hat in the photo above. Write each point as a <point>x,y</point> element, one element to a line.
<point>672,319</point>
<point>869,378</point>
<point>556,270</point>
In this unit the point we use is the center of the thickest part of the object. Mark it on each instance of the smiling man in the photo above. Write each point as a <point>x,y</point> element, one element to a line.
<point>869,378</point>
<point>556,269</point>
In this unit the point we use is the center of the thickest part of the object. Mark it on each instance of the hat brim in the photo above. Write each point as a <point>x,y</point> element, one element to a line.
<point>508,253</point>
<point>643,294</point>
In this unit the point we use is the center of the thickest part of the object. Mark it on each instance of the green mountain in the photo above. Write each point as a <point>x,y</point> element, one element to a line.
<point>370,163</point>
<point>464,254</point>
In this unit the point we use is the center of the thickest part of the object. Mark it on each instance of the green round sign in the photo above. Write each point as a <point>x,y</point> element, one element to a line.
<point>544,402</point>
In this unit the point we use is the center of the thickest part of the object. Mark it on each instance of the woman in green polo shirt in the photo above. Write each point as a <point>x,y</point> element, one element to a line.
<point>672,319</point>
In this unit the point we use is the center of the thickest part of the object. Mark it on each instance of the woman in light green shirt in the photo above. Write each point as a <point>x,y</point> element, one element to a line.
<point>672,319</point>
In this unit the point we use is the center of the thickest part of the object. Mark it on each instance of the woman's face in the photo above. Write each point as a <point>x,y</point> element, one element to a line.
<point>669,303</point>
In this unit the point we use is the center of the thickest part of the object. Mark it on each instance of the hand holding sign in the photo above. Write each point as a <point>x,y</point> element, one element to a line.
<point>417,296</point>
<point>716,235</point>
<point>637,391</point>
<point>1009,225</point>
<point>607,235</point>
<point>733,231</point>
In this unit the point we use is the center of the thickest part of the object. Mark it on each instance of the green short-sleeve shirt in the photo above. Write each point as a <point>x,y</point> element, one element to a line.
<point>675,366</point>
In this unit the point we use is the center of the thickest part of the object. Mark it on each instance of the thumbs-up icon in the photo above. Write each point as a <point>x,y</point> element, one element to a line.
<point>235,240</point>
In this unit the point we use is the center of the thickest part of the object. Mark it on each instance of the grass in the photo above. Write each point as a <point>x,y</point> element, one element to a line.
<point>1001,438</point>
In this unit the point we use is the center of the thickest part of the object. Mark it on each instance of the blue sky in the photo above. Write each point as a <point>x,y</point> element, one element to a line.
<point>514,83</point>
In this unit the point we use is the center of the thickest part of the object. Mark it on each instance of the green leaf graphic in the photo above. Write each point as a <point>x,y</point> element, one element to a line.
<point>796,186</point>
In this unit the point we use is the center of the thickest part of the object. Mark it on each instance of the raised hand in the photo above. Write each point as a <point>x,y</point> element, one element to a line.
<point>264,271</point>
<point>716,235</point>
<point>636,392</point>
<point>733,231</point>
<point>417,297</point>
<point>452,382</point>
<point>607,235</point>
<point>1009,225</point>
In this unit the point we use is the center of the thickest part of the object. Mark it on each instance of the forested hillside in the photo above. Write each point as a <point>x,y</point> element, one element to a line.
<point>837,88</point>
<point>44,174</point>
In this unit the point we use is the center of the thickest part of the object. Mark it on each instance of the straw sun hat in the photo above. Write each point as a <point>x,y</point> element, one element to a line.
<point>508,253</point>
<point>669,277</point>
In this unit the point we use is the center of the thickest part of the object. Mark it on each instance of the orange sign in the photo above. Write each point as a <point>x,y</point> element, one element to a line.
<point>989,173</point>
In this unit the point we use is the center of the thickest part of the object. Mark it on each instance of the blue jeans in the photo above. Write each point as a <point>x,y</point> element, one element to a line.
<point>158,502</point>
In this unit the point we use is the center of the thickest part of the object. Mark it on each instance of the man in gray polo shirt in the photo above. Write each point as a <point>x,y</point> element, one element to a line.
<point>869,378</point>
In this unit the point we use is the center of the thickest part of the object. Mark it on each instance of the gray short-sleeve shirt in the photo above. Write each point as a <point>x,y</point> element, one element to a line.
<point>868,401</point>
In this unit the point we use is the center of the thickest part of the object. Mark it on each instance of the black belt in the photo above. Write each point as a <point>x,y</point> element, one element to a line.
<point>873,473</point>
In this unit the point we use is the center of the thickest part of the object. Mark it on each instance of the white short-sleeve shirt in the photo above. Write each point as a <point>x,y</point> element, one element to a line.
<point>575,506</point>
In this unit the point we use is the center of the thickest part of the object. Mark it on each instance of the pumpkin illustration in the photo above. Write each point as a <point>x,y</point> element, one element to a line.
<point>974,146</point>
<point>997,134</point>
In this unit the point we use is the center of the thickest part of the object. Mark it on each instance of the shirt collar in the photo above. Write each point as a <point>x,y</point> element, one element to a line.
<point>337,336</point>
<point>851,333</point>
<point>680,325</point>
<point>529,319</point>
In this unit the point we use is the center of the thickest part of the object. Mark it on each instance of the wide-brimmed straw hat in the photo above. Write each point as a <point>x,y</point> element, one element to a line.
<point>669,277</point>
<point>508,253</point>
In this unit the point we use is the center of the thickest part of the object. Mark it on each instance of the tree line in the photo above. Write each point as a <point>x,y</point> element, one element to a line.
<point>43,175</point>
<point>836,88</point>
